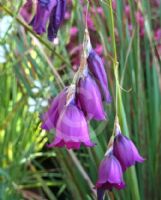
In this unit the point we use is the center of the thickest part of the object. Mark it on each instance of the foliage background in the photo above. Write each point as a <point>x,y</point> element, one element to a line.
<point>32,71</point>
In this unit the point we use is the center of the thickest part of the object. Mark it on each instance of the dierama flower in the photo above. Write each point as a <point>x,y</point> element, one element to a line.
<point>125,150</point>
<point>110,173</point>
<point>26,11</point>
<point>157,35</point>
<point>49,119</point>
<point>71,129</point>
<point>140,21</point>
<point>89,98</point>
<point>96,67</point>
<point>47,10</point>
<point>56,18</point>
<point>44,9</point>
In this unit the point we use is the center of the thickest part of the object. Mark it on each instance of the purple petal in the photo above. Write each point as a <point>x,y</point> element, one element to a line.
<point>110,173</point>
<point>126,152</point>
<point>71,129</point>
<point>89,98</point>
<point>56,19</point>
<point>26,10</point>
<point>96,66</point>
<point>49,119</point>
<point>42,16</point>
<point>137,156</point>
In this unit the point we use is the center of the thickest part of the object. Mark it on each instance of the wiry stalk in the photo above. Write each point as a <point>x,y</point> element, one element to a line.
<point>120,112</point>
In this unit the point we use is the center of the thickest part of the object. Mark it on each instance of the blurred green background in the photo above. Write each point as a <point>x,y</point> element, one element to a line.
<point>32,70</point>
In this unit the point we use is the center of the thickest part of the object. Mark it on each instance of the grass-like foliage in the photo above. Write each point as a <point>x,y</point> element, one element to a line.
<point>33,70</point>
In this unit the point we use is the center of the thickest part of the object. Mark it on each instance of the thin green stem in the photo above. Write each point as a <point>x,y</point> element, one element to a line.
<point>120,111</point>
<point>115,62</point>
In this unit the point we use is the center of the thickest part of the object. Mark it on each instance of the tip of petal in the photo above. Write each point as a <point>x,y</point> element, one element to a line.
<point>69,144</point>
<point>45,127</point>
<point>108,98</point>
<point>140,159</point>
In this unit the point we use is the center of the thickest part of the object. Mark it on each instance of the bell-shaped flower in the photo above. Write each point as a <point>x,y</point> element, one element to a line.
<point>56,18</point>
<point>26,10</point>
<point>110,173</point>
<point>49,119</point>
<point>125,150</point>
<point>44,9</point>
<point>96,67</point>
<point>71,129</point>
<point>89,98</point>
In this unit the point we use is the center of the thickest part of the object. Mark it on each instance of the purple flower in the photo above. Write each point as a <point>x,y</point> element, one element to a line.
<point>49,119</point>
<point>110,173</point>
<point>100,194</point>
<point>96,67</point>
<point>44,8</point>
<point>125,151</point>
<point>71,129</point>
<point>89,98</point>
<point>26,10</point>
<point>56,18</point>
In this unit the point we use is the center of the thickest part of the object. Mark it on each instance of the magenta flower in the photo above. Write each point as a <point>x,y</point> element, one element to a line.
<point>99,49</point>
<point>51,11</point>
<point>26,10</point>
<point>125,151</point>
<point>73,31</point>
<point>71,129</point>
<point>140,20</point>
<point>110,173</point>
<point>96,67</point>
<point>89,98</point>
<point>157,35</point>
<point>114,4</point>
<point>49,119</point>
<point>127,11</point>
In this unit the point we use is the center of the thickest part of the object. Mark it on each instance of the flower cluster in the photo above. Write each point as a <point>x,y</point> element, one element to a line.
<point>47,10</point>
<point>80,102</point>
<point>121,154</point>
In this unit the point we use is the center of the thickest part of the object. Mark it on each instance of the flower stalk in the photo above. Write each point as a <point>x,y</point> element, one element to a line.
<point>120,112</point>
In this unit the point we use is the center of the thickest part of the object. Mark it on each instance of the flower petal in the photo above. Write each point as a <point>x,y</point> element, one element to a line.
<point>89,98</point>
<point>96,66</point>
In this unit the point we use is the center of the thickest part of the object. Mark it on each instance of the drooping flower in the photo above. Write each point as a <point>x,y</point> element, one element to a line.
<point>71,129</point>
<point>44,9</point>
<point>99,49</point>
<point>157,35</point>
<point>26,10</point>
<point>73,31</point>
<point>96,67</point>
<point>49,119</point>
<point>110,173</point>
<point>100,194</point>
<point>140,21</point>
<point>125,150</point>
<point>56,18</point>
<point>89,98</point>
<point>47,10</point>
